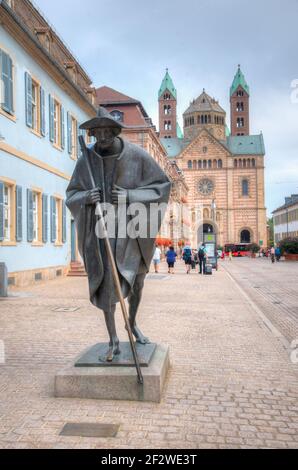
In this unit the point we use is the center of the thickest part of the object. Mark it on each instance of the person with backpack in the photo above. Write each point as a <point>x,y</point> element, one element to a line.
<point>187,255</point>
<point>277,253</point>
<point>171,256</point>
<point>202,258</point>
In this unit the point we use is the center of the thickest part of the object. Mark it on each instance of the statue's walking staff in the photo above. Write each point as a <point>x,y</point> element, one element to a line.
<point>113,264</point>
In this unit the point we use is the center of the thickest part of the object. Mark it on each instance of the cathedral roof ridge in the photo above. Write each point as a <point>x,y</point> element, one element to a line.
<point>246,144</point>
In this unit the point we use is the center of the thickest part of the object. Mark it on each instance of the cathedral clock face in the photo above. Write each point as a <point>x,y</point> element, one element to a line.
<point>205,186</point>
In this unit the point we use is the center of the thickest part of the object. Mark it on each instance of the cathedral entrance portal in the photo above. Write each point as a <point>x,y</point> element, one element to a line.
<point>245,236</point>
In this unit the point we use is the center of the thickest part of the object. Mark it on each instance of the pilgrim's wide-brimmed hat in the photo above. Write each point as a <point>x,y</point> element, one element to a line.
<point>103,119</point>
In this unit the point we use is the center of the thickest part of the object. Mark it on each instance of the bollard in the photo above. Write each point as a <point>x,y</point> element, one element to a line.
<point>3,280</point>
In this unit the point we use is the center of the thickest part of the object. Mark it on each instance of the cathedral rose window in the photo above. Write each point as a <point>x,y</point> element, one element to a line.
<point>205,186</point>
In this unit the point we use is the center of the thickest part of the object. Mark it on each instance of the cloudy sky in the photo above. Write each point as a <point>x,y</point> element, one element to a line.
<point>128,44</point>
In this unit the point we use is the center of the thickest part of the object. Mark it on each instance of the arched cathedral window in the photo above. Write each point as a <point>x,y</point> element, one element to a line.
<point>245,188</point>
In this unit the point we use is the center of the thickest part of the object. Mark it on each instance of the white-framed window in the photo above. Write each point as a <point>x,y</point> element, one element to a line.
<point>7,212</point>
<point>35,103</point>
<point>74,137</point>
<point>35,217</point>
<point>57,124</point>
<point>58,221</point>
<point>10,212</point>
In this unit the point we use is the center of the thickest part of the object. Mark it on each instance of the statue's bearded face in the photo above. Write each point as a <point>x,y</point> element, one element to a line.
<point>105,136</point>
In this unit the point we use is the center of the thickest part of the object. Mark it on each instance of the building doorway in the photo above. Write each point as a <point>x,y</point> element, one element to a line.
<point>208,228</point>
<point>245,236</point>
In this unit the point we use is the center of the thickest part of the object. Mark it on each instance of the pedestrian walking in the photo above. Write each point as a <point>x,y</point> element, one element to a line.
<point>277,253</point>
<point>156,258</point>
<point>187,258</point>
<point>195,258</point>
<point>202,258</point>
<point>272,254</point>
<point>171,256</point>
<point>230,255</point>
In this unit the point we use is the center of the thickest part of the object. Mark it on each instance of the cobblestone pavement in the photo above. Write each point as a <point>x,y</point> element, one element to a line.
<point>273,287</point>
<point>231,383</point>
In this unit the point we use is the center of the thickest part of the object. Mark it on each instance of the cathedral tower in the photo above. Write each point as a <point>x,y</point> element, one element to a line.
<point>239,100</point>
<point>167,102</point>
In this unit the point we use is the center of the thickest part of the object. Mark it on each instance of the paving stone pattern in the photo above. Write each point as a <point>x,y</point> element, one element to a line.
<point>231,383</point>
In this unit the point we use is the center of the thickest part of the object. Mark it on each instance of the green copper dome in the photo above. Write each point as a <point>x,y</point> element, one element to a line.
<point>239,80</point>
<point>167,84</point>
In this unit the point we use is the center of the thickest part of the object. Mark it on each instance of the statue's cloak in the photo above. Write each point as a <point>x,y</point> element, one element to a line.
<point>138,173</point>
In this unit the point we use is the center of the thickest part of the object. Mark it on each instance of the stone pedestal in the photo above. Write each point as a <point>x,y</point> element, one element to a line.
<point>111,381</point>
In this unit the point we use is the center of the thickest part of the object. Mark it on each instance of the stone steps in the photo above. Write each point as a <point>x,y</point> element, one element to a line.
<point>76,270</point>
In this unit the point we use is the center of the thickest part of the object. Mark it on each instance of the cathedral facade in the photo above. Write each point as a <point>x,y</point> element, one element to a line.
<point>223,169</point>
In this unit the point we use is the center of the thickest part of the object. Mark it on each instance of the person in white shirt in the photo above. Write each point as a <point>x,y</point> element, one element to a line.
<point>156,258</point>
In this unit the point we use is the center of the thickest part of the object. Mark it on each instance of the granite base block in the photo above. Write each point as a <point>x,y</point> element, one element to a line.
<point>115,383</point>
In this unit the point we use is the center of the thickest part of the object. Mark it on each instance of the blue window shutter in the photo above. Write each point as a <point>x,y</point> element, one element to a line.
<point>29,215</point>
<point>62,121</point>
<point>19,214</point>
<point>69,134</point>
<point>28,99</point>
<point>53,219</point>
<point>63,222</point>
<point>10,85</point>
<point>42,112</point>
<point>45,218</point>
<point>7,82</point>
<point>51,117</point>
<point>1,211</point>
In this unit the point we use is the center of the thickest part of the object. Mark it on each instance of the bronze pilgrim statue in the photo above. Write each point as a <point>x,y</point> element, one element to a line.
<point>123,174</point>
